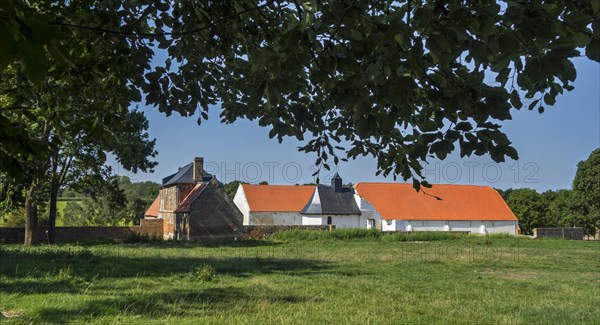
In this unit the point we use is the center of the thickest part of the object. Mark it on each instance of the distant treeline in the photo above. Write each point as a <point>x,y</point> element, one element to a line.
<point>125,205</point>
<point>577,207</point>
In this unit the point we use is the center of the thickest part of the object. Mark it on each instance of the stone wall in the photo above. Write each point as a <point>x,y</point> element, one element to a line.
<point>213,214</point>
<point>148,227</point>
<point>575,233</point>
<point>260,232</point>
<point>151,227</point>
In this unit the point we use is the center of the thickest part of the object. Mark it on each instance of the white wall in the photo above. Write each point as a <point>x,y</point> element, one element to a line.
<point>339,221</point>
<point>367,212</point>
<point>242,204</point>
<point>490,227</point>
<point>313,220</point>
<point>393,225</point>
<point>274,219</point>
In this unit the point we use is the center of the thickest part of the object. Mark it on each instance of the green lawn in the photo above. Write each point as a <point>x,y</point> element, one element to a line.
<point>60,207</point>
<point>469,280</point>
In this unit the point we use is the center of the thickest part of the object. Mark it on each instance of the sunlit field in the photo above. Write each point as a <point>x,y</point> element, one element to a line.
<point>458,279</point>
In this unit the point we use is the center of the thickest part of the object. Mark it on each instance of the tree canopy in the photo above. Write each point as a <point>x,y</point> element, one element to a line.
<point>530,207</point>
<point>587,179</point>
<point>576,207</point>
<point>402,81</point>
<point>586,188</point>
<point>65,100</point>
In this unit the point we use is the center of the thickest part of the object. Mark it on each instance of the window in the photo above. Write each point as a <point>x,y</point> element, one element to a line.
<point>329,221</point>
<point>370,223</point>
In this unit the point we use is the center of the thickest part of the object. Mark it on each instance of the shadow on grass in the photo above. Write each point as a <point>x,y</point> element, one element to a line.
<point>41,271</point>
<point>201,302</point>
<point>35,286</point>
<point>182,244</point>
<point>95,266</point>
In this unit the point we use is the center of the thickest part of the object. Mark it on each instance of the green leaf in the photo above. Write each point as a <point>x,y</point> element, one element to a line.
<point>356,35</point>
<point>592,51</point>
<point>508,43</point>
<point>416,184</point>
<point>515,99</point>
<point>463,126</point>
<point>502,76</point>
<point>533,104</point>
<point>568,69</point>
<point>549,99</point>
<point>386,123</point>
<point>404,42</point>
<point>428,126</point>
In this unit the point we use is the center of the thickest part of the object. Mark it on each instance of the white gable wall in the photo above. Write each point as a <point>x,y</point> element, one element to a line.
<point>241,202</point>
<point>367,212</point>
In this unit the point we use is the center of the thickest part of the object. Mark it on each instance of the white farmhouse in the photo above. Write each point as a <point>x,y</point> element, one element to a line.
<point>475,209</point>
<point>277,205</point>
<point>339,206</point>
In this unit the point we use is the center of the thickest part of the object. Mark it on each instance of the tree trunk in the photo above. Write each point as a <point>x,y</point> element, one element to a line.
<point>54,187</point>
<point>52,211</point>
<point>31,227</point>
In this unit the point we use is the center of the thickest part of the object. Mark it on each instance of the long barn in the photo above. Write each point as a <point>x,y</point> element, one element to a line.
<point>444,207</point>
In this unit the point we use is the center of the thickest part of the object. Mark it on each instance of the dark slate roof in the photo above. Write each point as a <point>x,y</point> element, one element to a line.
<point>332,202</point>
<point>185,175</point>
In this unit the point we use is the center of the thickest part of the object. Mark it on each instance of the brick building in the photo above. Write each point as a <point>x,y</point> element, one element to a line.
<point>194,205</point>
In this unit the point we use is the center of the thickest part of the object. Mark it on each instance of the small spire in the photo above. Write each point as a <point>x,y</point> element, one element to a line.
<point>336,183</point>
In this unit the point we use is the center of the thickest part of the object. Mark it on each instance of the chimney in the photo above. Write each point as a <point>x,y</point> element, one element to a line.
<point>336,183</point>
<point>198,169</point>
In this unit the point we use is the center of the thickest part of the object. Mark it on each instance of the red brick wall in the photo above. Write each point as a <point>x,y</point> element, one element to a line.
<point>152,227</point>
<point>148,227</point>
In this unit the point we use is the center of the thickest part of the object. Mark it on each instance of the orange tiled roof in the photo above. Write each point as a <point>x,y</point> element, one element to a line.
<point>277,198</point>
<point>153,209</point>
<point>458,202</point>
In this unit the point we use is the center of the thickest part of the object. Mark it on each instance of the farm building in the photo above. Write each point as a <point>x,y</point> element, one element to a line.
<point>278,205</point>
<point>194,205</point>
<point>476,209</point>
<point>339,206</point>
<point>288,205</point>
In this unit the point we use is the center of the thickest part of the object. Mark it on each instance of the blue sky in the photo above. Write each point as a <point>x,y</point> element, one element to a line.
<point>550,145</point>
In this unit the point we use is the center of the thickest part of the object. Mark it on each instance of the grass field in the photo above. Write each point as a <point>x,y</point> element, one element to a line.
<point>60,207</point>
<point>466,279</point>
